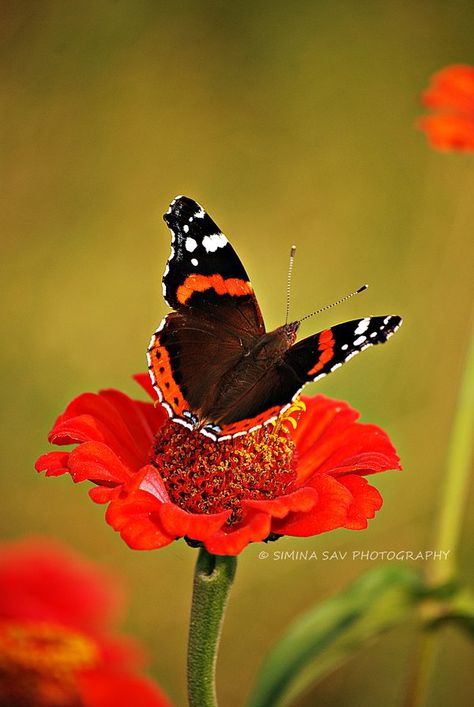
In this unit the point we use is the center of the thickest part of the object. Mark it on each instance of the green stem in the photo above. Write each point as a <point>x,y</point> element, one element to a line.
<point>418,686</point>
<point>453,500</point>
<point>213,579</point>
<point>458,465</point>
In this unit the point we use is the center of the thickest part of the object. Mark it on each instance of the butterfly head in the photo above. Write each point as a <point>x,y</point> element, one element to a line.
<point>290,332</point>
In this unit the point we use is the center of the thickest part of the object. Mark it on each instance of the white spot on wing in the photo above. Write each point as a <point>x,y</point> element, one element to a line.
<point>360,340</point>
<point>195,262</point>
<point>212,243</point>
<point>190,244</point>
<point>185,228</point>
<point>160,326</point>
<point>344,347</point>
<point>167,407</point>
<point>240,434</point>
<point>212,436</point>
<point>362,326</point>
<point>321,375</point>
<point>180,420</point>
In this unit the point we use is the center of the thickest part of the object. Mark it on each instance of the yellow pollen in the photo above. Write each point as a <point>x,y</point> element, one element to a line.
<point>286,418</point>
<point>203,476</point>
<point>44,648</point>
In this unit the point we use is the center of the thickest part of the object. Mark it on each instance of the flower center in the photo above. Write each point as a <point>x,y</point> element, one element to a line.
<point>38,662</point>
<point>203,476</point>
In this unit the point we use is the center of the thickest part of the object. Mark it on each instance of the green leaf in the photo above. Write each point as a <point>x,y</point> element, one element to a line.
<point>329,633</point>
<point>459,612</point>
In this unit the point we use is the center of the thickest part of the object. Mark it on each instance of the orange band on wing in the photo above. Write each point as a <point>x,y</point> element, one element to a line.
<point>160,366</point>
<point>245,425</point>
<point>326,347</point>
<point>200,283</point>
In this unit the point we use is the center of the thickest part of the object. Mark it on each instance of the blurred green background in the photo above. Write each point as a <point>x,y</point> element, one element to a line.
<point>291,123</point>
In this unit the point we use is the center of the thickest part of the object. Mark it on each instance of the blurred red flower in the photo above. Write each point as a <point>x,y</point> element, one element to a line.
<point>163,481</point>
<point>451,96</point>
<point>57,648</point>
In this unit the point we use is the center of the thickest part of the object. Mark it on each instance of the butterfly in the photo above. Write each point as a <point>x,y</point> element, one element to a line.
<point>212,363</point>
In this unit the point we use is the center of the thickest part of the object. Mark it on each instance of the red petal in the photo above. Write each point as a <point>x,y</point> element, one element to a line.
<point>42,581</point>
<point>362,448</point>
<point>139,425</point>
<point>452,89</point>
<point>303,499</point>
<point>97,462</point>
<point>136,519</point>
<point>449,132</point>
<point>329,513</point>
<point>53,463</point>
<point>179,523</point>
<point>150,480</point>
<point>332,442</point>
<point>255,526</point>
<point>155,414</point>
<point>111,424</point>
<point>143,379</point>
<point>103,494</point>
<point>322,414</point>
<point>120,653</point>
<point>116,690</point>
<point>82,428</point>
<point>366,500</point>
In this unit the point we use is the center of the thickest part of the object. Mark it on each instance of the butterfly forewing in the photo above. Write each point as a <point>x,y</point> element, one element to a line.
<point>204,271</point>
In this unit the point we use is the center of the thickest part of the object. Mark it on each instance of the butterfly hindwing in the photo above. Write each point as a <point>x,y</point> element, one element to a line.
<point>187,359</point>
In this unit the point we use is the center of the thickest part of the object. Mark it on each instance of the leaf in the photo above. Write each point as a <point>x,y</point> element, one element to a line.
<point>458,612</point>
<point>332,631</point>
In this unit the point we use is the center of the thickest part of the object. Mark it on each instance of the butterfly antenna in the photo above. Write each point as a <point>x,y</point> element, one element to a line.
<point>329,306</point>
<point>288,285</point>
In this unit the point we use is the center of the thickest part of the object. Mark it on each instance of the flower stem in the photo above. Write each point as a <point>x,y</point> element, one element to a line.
<point>458,471</point>
<point>449,530</point>
<point>213,580</point>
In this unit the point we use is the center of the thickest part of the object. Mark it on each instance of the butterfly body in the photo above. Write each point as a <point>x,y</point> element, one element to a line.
<point>212,362</point>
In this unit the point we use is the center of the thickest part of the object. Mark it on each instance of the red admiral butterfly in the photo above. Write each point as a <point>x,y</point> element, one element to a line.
<point>213,364</point>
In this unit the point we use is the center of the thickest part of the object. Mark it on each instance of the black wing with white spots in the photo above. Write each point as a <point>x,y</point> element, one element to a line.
<point>322,353</point>
<point>203,269</point>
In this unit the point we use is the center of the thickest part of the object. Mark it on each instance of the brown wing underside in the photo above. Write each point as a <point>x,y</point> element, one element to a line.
<point>190,356</point>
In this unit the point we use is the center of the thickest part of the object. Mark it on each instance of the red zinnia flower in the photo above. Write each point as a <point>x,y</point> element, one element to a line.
<point>56,647</point>
<point>451,96</point>
<point>163,481</point>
